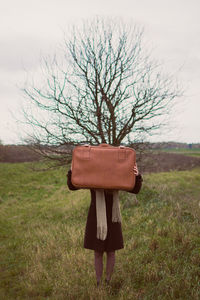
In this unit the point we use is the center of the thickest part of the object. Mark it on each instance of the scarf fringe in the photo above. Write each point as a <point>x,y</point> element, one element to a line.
<point>101,212</point>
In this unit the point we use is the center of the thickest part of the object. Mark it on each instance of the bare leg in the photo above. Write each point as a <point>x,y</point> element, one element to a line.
<point>98,262</point>
<point>110,265</point>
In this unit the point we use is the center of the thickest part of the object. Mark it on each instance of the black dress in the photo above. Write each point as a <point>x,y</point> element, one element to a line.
<point>114,239</point>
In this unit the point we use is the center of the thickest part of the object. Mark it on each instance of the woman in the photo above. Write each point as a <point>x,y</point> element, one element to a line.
<point>114,237</point>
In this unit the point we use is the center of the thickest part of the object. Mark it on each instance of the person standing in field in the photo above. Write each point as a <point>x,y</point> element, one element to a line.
<point>107,237</point>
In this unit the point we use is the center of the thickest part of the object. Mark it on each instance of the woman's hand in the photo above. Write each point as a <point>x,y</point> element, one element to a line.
<point>136,172</point>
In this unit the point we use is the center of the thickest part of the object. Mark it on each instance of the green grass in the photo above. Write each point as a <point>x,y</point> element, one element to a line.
<point>41,235</point>
<point>189,152</point>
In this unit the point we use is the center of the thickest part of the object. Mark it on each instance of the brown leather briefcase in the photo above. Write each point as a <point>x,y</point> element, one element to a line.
<point>104,167</point>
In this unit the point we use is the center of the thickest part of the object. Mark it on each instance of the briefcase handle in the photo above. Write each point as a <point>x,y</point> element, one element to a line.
<point>121,151</point>
<point>104,145</point>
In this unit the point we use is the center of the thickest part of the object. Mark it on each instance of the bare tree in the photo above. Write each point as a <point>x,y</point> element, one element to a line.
<point>107,89</point>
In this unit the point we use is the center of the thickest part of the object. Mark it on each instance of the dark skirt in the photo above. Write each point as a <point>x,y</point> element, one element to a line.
<point>114,239</point>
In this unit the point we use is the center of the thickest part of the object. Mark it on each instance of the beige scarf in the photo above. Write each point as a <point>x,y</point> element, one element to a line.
<point>101,212</point>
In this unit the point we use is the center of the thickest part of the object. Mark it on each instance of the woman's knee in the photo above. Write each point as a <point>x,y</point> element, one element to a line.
<point>110,254</point>
<point>98,254</point>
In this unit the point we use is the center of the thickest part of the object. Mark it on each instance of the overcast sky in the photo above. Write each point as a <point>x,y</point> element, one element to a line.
<point>29,29</point>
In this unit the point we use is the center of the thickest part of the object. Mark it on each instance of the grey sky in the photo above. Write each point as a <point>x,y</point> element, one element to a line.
<point>31,28</point>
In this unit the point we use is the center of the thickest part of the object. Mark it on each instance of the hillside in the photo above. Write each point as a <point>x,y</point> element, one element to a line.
<point>158,160</point>
<point>17,153</point>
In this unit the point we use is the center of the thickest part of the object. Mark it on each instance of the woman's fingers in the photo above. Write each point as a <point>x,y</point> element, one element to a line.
<point>136,170</point>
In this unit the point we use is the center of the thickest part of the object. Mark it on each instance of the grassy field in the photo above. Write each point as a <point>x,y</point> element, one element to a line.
<point>42,227</point>
<point>189,152</point>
